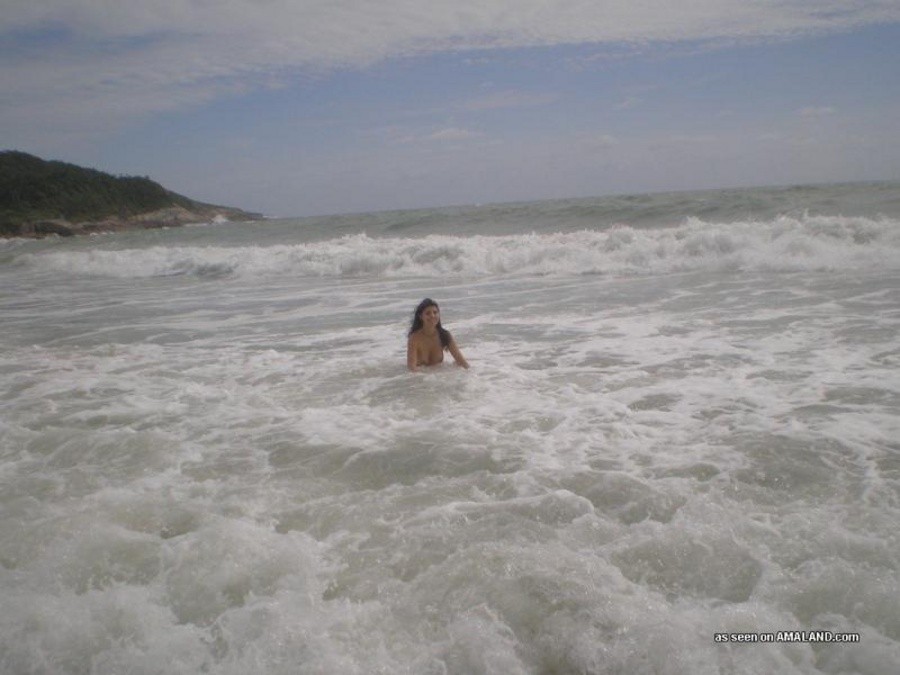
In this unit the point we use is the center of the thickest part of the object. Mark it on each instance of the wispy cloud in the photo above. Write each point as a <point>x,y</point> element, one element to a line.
<point>598,141</point>
<point>628,103</point>
<point>448,134</point>
<point>115,60</point>
<point>452,134</point>
<point>509,99</point>
<point>816,111</point>
<point>692,139</point>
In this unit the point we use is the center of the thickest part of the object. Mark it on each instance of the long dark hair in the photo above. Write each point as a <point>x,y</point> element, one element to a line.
<point>417,322</point>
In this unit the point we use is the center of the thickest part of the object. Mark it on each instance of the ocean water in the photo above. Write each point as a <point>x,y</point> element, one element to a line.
<point>680,427</point>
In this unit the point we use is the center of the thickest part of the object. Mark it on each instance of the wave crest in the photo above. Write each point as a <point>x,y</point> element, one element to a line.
<point>807,243</point>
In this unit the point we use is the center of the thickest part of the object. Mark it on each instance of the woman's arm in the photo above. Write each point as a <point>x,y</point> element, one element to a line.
<point>411,361</point>
<point>457,355</point>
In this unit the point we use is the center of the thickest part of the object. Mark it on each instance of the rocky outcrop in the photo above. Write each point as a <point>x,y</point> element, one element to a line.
<point>175,216</point>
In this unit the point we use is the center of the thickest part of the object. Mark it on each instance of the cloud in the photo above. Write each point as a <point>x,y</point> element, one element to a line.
<point>814,112</point>
<point>102,62</point>
<point>598,141</point>
<point>692,139</point>
<point>452,134</point>
<point>628,103</point>
<point>508,99</point>
<point>449,134</point>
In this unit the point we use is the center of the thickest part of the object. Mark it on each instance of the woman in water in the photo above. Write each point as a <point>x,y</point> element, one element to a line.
<point>428,339</point>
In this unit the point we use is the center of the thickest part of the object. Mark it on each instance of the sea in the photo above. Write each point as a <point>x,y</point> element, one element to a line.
<point>676,451</point>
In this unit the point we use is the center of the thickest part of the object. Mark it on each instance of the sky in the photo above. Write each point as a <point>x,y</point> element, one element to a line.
<point>310,107</point>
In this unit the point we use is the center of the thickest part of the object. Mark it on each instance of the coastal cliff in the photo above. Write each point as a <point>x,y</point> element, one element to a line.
<point>40,198</point>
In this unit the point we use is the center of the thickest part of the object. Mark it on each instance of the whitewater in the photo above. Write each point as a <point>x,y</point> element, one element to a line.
<point>677,441</point>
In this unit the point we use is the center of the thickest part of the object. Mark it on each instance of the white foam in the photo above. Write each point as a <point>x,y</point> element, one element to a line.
<point>241,476</point>
<point>787,244</point>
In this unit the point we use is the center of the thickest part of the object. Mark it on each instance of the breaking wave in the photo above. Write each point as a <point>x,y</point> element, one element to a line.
<point>783,244</point>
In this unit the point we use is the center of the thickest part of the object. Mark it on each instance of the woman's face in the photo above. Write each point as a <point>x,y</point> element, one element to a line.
<point>431,315</point>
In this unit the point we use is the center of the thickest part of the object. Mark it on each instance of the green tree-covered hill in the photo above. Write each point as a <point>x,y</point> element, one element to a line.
<point>34,190</point>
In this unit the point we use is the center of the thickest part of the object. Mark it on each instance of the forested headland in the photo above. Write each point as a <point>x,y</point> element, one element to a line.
<point>39,197</point>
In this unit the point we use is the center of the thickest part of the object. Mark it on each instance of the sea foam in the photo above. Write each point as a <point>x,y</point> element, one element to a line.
<point>784,244</point>
<point>213,458</point>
